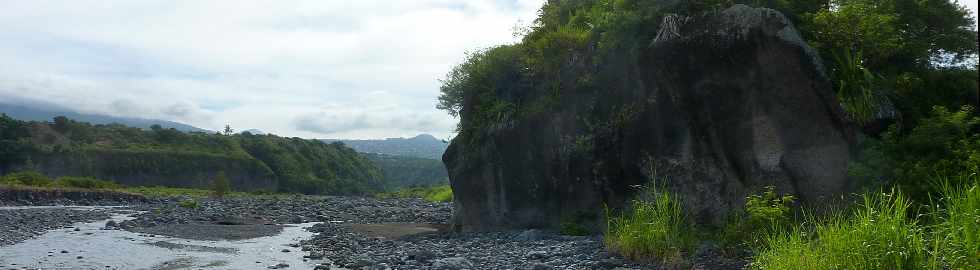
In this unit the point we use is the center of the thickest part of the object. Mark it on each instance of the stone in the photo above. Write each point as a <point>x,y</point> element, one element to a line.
<point>530,235</point>
<point>421,255</point>
<point>279,266</point>
<point>454,263</point>
<point>537,255</point>
<point>714,110</point>
<point>540,266</point>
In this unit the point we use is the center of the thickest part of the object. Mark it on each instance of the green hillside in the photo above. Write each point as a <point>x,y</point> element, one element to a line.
<point>168,157</point>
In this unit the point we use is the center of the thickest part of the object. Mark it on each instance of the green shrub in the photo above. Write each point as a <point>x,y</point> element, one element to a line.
<point>879,234</point>
<point>220,186</point>
<point>440,194</point>
<point>84,182</point>
<point>766,212</point>
<point>190,204</point>
<point>654,228</point>
<point>28,178</point>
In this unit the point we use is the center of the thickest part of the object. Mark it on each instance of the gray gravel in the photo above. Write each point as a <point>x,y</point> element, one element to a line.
<point>249,217</point>
<point>22,224</point>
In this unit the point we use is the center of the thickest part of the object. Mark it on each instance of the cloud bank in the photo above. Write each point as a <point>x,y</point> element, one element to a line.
<point>314,69</point>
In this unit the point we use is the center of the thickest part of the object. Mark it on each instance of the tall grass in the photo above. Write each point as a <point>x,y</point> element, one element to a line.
<point>652,229</point>
<point>956,235</point>
<point>878,234</point>
<point>882,233</point>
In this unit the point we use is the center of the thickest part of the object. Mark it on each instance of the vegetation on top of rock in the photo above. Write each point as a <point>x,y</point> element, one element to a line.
<point>885,49</point>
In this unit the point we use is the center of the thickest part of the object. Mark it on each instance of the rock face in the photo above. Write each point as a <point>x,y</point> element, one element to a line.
<point>132,170</point>
<point>717,107</point>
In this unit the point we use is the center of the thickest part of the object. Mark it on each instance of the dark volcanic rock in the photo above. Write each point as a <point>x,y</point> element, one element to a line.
<point>715,108</point>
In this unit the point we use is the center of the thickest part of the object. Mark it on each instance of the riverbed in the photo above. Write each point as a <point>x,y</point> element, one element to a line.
<point>90,245</point>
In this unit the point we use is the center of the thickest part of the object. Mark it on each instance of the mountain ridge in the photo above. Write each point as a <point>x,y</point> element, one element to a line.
<point>40,112</point>
<point>420,146</point>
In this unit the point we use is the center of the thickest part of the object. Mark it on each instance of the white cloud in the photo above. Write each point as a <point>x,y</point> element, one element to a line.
<point>355,69</point>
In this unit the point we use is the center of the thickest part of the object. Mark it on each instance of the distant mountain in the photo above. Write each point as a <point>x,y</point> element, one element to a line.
<point>46,113</point>
<point>422,146</point>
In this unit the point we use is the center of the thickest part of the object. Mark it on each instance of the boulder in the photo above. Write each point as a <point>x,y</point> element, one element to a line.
<point>715,108</point>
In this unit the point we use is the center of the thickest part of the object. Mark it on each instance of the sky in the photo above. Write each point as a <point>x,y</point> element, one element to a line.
<point>312,69</point>
<point>362,69</point>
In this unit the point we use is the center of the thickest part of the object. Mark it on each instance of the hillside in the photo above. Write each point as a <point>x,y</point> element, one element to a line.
<point>160,156</point>
<point>47,112</point>
<point>422,146</point>
<point>402,171</point>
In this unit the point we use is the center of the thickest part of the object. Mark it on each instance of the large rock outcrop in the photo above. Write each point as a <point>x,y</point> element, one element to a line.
<point>717,107</point>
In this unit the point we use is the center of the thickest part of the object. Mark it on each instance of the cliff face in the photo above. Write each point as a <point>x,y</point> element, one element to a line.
<point>172,169</point>
<point>715,108</point>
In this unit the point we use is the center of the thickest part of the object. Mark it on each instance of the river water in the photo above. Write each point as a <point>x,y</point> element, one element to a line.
<point>92,247</point>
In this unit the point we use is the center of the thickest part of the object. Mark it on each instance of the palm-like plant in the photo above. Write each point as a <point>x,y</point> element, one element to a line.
<point>855,86</point>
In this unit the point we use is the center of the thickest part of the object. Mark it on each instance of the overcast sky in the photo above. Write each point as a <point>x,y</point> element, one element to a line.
<point>313,69</point>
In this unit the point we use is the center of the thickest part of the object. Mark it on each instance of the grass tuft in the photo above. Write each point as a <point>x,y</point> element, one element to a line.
<point>651,229</point>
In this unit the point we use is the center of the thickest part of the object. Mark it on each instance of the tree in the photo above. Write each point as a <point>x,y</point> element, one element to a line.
<point>228,130</point>
<point>220,185</point>
<point>61,123</point>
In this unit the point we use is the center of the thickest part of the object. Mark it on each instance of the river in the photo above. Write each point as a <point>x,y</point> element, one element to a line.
<point>90,246</point>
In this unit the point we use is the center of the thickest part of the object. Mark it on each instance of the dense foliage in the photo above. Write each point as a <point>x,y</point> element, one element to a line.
<point>945,144</point>
<point>402,171</point>
<point>116,152</point>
